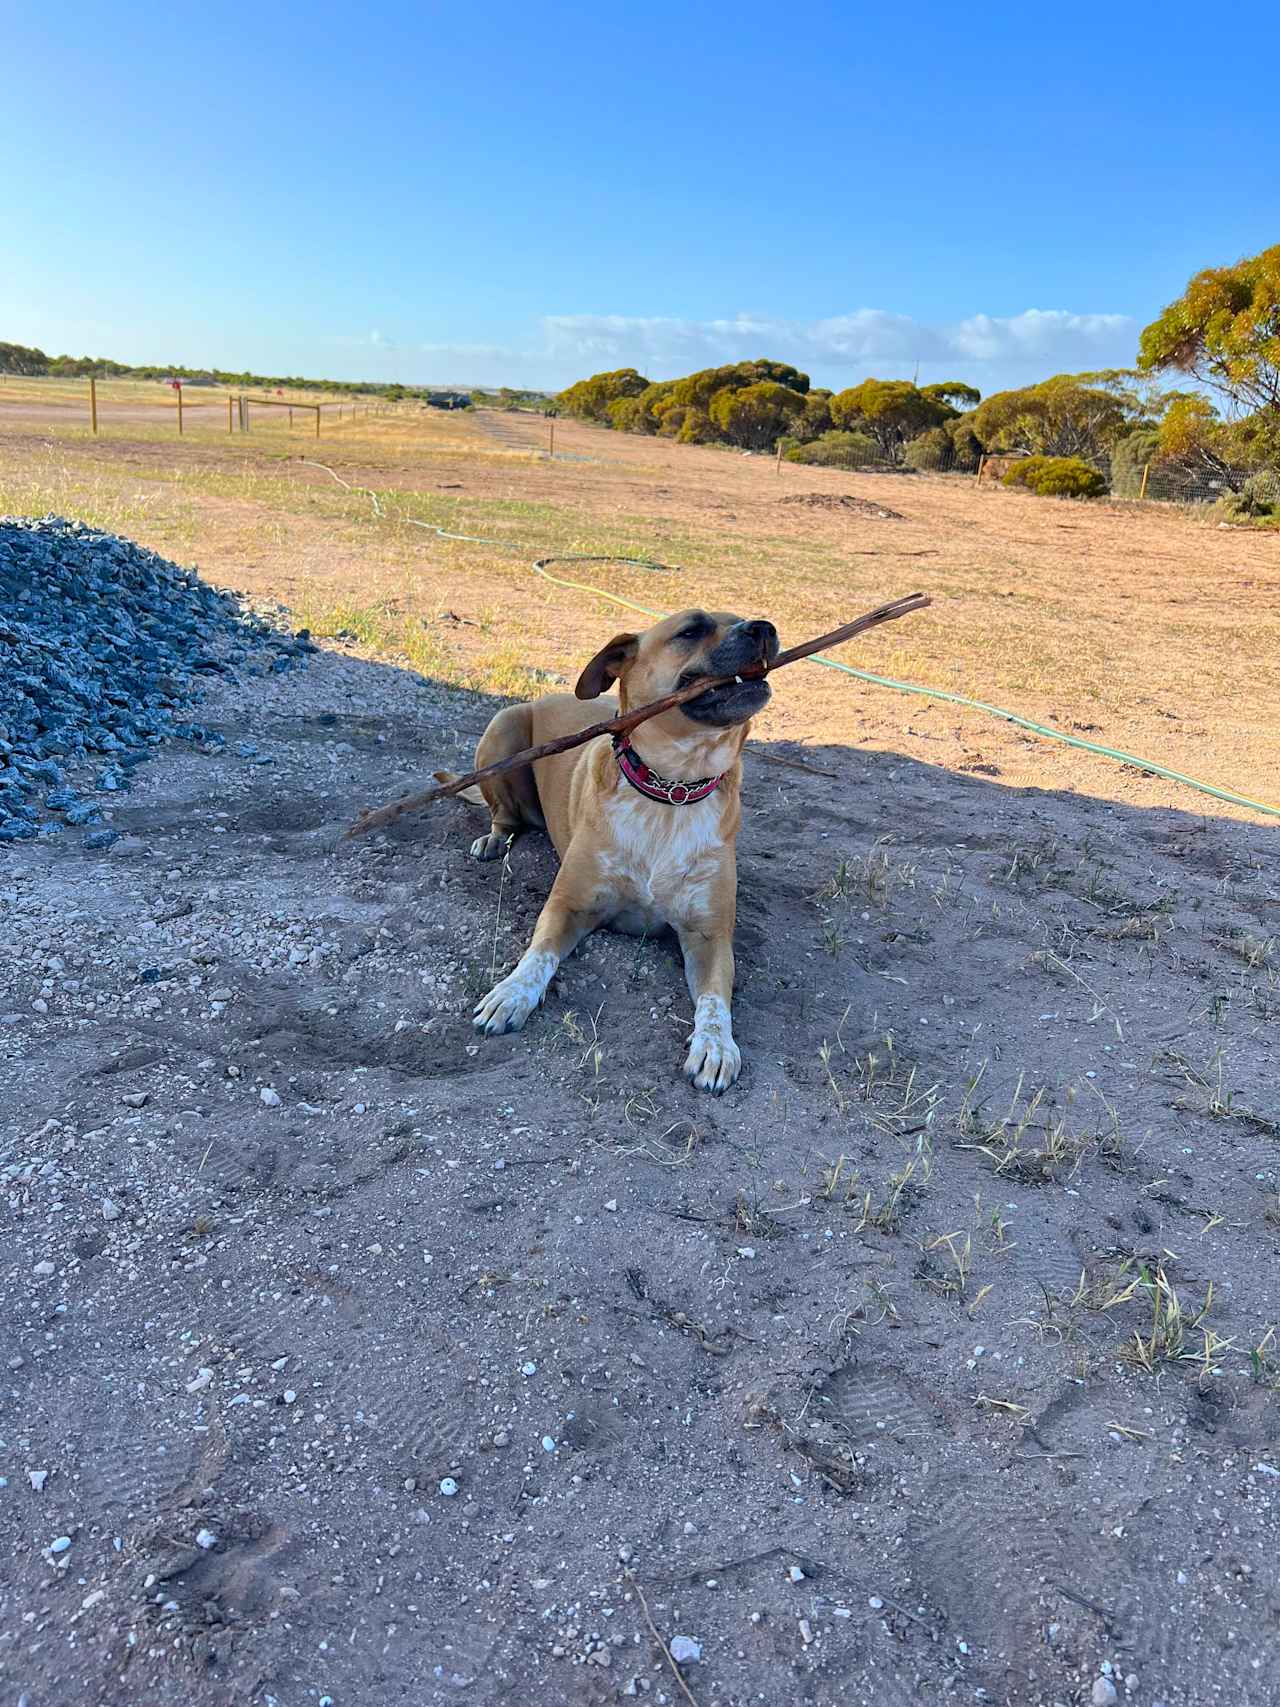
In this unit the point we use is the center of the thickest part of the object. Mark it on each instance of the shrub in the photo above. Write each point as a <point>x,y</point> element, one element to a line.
<point>932,450</point>
<point>696,428</point>
<point>1057,477</point>
<point>968,448</point>
<point>626,415</point>
<point>838,450</point>
<point>1258,500</point>
<point>815,421</point>
<point>1129,457</point>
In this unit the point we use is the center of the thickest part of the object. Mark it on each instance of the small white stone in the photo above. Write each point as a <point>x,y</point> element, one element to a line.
<point>612,1206</point>
<point>45,1267</point>
<point>38,1478</point>
<point>448,1487</point>
<point>60,1545</point>
<point>200,1380</point>
<point>110,1210</point>
<point>527,1369</point>
<point>548,1445</point>
<point>1103,1693</point>
<point>795,1574</point>
<point>206,1539</point>
<point>684,1650</point>
<point>289,1395</point>
<point>271,1098</point>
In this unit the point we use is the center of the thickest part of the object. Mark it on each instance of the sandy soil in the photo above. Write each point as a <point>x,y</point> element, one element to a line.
<point>832,1371</point>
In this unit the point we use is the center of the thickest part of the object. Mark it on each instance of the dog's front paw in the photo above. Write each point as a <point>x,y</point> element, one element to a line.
<point>492,846</point>
<point>506,1007</point>
<point>714,1060</point>
<point>509,1003</point>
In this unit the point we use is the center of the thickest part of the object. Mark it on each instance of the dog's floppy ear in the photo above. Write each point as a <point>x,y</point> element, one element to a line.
<point>607,665</point>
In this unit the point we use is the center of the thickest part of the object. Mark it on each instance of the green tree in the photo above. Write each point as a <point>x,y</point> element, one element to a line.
<point>590,398</point>
<point>1072,414</point>
<point>815,418</point>
<point>23,359</point>
<point>891,411</point>
<point>1224,330</point>
<point>755,417</point>
<point>955,392</point>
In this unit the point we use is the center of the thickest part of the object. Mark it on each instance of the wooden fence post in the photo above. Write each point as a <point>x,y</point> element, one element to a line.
<point>1146,470</point>
<point>179,410</point>
<point>982,463</point>
<point>316,407</point>
<point>230,428</point>
<point>777,461</point>
<point>291,415</point>
<point>551,442</point>
<point>93,403</point>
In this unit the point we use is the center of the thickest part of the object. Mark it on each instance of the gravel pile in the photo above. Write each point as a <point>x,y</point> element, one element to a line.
<point>103,647</point>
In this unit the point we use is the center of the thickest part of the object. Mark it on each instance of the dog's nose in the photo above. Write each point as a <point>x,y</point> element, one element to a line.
<point>764,637</point>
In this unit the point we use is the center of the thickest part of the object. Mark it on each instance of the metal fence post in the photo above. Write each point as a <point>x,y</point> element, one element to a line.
<point>93,403</point>
<point>1146,470</point>
<point>179,409</point>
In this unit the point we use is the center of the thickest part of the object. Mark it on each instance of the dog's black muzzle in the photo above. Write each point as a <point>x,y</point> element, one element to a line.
<point>746,643</point>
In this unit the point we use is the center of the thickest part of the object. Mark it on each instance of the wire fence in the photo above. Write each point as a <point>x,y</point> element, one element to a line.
<point>97,407</point>
<point>1167,482</point>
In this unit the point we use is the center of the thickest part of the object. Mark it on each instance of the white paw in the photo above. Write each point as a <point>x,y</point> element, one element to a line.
<point>714,1059</point>
<point>506,1007</point>
<point>509,1003</point>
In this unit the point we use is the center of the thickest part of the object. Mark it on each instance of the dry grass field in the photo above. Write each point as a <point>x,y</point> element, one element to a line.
<point>1146,628</point>
<point>356,1358</point>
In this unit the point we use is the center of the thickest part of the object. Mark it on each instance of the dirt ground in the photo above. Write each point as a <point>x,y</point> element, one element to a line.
<point>350,1357</point>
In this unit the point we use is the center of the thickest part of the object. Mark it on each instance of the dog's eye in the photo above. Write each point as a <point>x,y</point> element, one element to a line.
<point>694,631</point>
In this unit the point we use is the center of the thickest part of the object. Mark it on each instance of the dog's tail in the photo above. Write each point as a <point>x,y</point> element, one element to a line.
<point>472,794</point>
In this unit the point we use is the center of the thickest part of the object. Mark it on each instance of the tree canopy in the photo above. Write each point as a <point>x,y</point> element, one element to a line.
<point>955,392</point>
<point>1072,414</point>
<point>756,416</point>
<point>1224,330</point>
<point>891,411</point>
<point>590,398</point>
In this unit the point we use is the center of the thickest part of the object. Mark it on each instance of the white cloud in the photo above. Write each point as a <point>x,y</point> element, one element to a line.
<point>997,350</point>
<point>990,351</point>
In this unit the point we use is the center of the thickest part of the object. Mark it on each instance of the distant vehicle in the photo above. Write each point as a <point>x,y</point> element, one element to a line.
<point>448,400</point>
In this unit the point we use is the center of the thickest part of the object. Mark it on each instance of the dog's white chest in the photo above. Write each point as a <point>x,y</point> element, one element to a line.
<point>665,864</point>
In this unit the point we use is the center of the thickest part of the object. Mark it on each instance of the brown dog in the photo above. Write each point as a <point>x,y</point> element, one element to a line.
<point>643,842</point>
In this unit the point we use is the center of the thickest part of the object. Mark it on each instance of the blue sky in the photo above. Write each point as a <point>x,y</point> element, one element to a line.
<point>495,192</point>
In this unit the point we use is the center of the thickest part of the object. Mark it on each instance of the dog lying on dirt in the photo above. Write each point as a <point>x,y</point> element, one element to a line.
<point>644,842</point>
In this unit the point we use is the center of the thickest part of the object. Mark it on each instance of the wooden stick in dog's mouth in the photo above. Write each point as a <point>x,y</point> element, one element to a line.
<point>628,720</point>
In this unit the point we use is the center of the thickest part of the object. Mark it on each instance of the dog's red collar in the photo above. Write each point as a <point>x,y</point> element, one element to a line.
<point>655,787</point>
